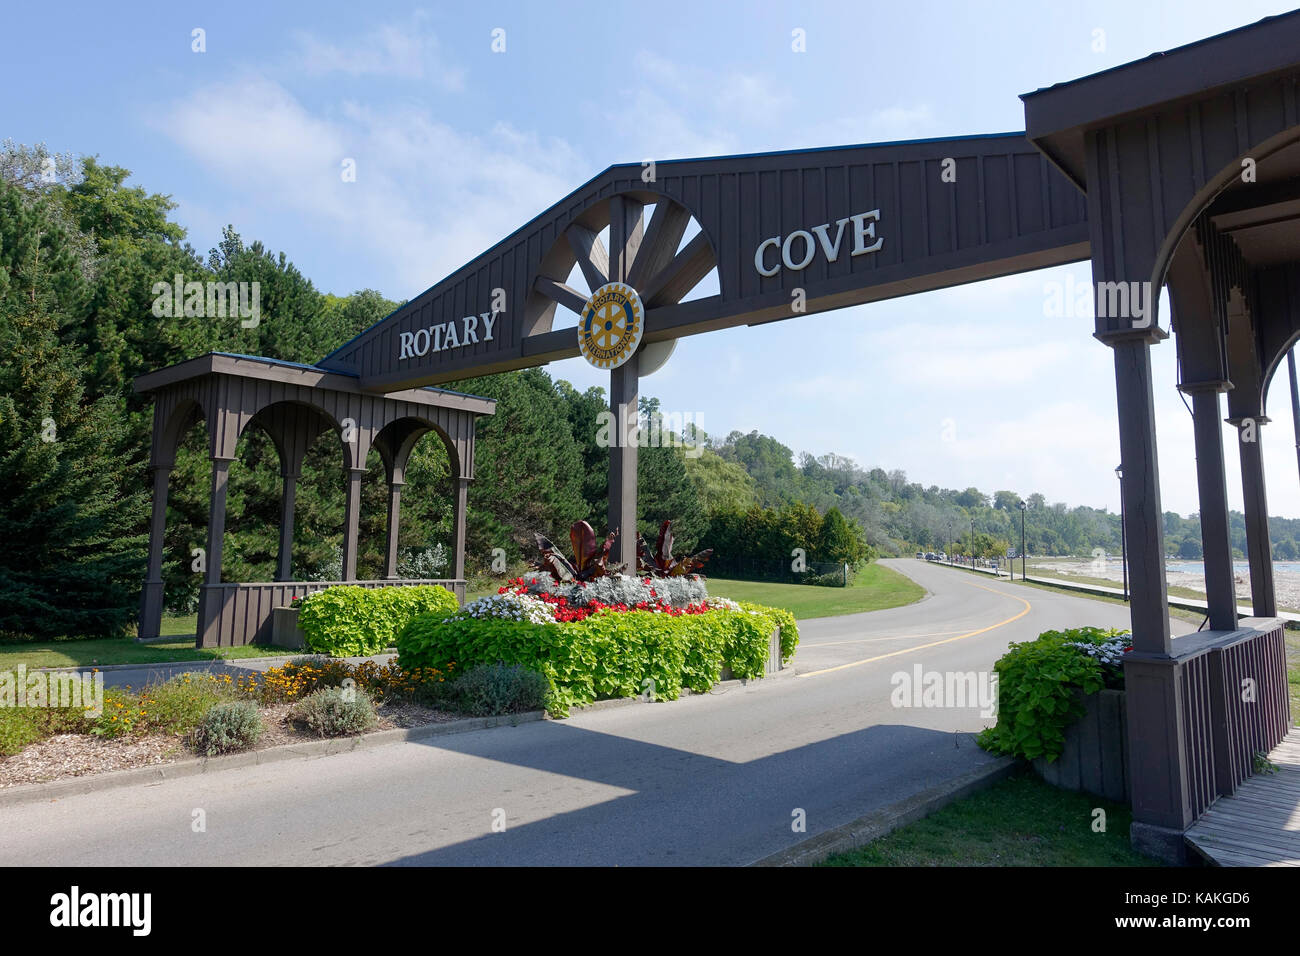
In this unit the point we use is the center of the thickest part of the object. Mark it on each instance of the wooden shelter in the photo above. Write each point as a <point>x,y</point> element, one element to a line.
<point>295,405</point>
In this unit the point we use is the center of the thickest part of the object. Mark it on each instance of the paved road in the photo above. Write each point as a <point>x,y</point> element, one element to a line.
<point>706,780</point>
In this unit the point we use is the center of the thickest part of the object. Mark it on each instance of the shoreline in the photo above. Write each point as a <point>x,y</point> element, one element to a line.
<point>1286,584</point>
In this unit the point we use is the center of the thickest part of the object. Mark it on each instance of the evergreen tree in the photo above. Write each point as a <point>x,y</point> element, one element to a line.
<point>71,562</point>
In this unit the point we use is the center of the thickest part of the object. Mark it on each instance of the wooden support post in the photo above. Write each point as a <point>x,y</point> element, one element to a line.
<point>1211,480</point>
<point>151,598</point>
<point>623,460</point>
<point>1143,520</point>
<point>284,566</point>
<point>210,604</point>
<point>351,521</point>
<point>394,517</point>
<point>460,516</point>
<point>1156,722</point>
<point>216,519</point>
<point>1295,401</point>
<point>1259,548</point>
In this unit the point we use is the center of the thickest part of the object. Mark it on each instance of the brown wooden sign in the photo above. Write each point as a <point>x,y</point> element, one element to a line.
<point>788,233</point>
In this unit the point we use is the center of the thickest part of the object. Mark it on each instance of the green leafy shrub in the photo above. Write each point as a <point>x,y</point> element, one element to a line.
<point>493,689</point>
<point>21,727</point>
<point>1038,691</point>
<point>831,579</point>
<point>179,705</point>
<point>774,617</point>
<point>351,621</point>
<point>227,727</point>
<point>336,712</point>
<point>610,654</point>
<point>175,706</point>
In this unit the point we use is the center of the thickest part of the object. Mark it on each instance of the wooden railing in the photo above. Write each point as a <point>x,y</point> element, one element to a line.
<point>234,614</point>
<point>1236,704</point>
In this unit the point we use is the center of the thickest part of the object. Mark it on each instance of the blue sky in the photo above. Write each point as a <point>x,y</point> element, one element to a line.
<point>456,145</point>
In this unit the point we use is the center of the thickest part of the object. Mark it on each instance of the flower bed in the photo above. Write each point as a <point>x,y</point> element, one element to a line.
<point>207,714</point>
<point>618,636</point>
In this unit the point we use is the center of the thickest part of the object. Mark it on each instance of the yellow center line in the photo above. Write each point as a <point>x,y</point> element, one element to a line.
<point>872,640</point>
<point>921,647</point>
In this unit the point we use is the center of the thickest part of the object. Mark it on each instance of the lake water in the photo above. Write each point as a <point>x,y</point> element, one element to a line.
<point>1243,567</point>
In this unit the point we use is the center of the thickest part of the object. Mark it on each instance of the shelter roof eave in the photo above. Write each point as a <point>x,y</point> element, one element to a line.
<point>293,373</point>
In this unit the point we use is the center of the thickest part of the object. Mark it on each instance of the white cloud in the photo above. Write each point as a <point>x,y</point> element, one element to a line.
<point>400,50</point>
<point>426,199</point>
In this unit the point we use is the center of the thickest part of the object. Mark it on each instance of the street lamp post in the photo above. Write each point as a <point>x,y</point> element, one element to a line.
<point>1023,509</point>
<point>1123,539</point>
<point>972,543</point>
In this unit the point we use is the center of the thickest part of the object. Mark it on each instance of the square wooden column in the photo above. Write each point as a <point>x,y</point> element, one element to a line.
<point>288,494</point>
<point>151,597</point>
<point>394,517</point>
<point>1212,490</point>
<point>1143,519</point>
<point>1259,546</point>
<point>622,461</point>
<point>351,521</point>
<point>458,537</point>
<point>210,596</point>
<point>1157,731</point>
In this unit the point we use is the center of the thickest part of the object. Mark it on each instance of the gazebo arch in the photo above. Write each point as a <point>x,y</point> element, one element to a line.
<point>294,404</point>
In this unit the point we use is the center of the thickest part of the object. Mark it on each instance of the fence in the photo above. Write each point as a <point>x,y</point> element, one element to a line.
<point>234,614</point>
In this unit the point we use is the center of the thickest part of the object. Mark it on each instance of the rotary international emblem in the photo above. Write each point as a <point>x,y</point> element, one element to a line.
<point>611,325</point>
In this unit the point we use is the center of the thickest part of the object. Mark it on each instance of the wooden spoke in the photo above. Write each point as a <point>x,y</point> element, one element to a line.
<point>681,275</point>
<point>590,253</point>
<point>558,292</point>
<point>625,230</point>
<point>662,237</point>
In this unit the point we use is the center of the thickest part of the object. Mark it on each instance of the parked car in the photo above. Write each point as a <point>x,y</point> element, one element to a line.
<point>920,555</point>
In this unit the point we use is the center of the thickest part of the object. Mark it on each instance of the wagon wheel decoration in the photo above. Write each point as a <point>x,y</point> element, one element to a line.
<point>641,270</point>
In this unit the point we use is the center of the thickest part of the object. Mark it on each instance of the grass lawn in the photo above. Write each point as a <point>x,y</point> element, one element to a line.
<point>1021,821</point>
<point>124,650</point>
<point>873,589</point>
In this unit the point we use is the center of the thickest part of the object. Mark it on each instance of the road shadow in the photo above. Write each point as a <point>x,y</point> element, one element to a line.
<point>686,806</point>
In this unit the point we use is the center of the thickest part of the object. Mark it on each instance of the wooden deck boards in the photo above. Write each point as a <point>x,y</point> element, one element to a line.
<point>1259,825</point>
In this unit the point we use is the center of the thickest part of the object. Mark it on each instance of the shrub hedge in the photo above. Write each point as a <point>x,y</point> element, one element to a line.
<point>351,621</point>
<point>611,654</point>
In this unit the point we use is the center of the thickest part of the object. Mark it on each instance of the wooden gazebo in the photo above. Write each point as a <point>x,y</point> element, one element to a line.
<point>295,405</point>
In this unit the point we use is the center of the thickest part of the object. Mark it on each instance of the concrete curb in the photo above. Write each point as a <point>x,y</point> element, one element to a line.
<point>93,783</point>
<point>878,823</point>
